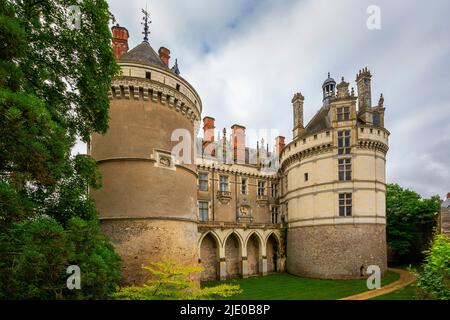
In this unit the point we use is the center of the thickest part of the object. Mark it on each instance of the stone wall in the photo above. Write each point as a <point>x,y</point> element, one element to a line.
<point>139,241</point>
<point>336,252</point>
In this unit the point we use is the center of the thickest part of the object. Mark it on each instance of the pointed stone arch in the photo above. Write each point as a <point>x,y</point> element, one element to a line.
<point>273,252</point>
<point>209,258</point>
<point>254,247</point>
<point>233,245</point>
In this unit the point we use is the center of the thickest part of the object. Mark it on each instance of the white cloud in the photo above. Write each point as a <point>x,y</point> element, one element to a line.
<point>247,58</point>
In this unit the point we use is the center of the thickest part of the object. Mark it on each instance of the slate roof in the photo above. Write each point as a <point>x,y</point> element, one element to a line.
<point>320,121</point>
<point>145,54</point>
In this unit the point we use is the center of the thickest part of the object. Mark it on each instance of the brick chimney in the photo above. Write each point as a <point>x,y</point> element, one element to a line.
<point>119,40</point>
<point>164,54</point>
<point>238,142</point>
<point>448,195</point>
<point>208,136</point>
<point>279,141</point>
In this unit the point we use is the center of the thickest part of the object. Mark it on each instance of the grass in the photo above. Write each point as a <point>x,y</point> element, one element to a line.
<point>407,293</point>
<point>283,286</point>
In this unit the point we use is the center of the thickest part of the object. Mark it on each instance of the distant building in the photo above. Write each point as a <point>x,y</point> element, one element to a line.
<point>444,221</point>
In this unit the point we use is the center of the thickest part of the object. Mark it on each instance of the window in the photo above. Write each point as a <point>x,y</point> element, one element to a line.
<point>274,190</point>
<point>178,87</point>
<point>203,211</point>
<point>345,204</point>
<point>274,212</point>
<point>203,181</point>
<point>344,142</point>
<point>343,113</point>
<point>148,75</point>
<point>244,182</point>
<point>306,176</point>
<point>345,169</point>
<point>223,183</point>
<point>261,188</point>
<point>328,133</point>
<point>315,137</point>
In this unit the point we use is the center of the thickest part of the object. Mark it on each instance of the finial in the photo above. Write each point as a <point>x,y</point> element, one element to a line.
<point>353,92</point>
<point>146,23</point>
<point>175,68</point>
<point>342,79</point>
<point>328,74</point>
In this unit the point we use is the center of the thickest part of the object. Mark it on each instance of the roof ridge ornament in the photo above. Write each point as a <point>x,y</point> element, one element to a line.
<point>146,23</point>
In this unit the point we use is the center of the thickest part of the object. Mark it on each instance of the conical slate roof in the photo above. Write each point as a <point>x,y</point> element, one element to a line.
<point>145,54</point>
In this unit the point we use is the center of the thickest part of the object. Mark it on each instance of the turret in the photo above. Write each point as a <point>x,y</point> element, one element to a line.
<point>148,202</point>
<point>328,89</point>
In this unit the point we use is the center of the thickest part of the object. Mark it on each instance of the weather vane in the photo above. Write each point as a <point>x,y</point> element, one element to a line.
<point>146,23</point>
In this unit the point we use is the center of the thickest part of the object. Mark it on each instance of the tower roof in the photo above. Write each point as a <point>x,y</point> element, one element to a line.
<point>328,80</point>
<point>145,54</point>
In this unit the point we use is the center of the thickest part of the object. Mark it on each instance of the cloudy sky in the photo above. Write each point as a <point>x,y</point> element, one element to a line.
<point>246,59</point>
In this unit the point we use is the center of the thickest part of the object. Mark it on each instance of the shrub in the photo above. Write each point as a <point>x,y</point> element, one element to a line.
<point>434,280</point>
<point>171,281</point>
<point>35,254</point>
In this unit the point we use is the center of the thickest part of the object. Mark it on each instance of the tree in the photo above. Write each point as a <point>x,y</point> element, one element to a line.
<point>171,281</point>
<point>410,221</point>
<point>35,254</point>
<point>54,80</point>
<point>433,282</point>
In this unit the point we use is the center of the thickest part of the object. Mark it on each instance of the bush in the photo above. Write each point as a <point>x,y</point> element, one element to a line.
<point>434,281</point>
<point>35,254</point>
<point>171,281</point>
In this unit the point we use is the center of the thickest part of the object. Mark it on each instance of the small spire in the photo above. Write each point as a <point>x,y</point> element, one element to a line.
<point>146,23</point>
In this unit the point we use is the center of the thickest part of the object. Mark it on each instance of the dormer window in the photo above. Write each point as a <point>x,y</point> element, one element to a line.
<point>343,113</point>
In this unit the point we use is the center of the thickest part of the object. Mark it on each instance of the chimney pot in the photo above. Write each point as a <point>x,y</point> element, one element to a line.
<point>164,55</point>
<point>208,136</point>
<point>280,144</point>
<point>238,136</point>
<point>119,40</point>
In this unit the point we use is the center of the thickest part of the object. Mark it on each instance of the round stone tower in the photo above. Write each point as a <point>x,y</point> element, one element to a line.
<point>148,200</point>
<point>334,187</point>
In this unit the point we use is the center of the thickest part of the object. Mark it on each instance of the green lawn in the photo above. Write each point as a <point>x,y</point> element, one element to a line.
<point>283,286</point>
<point>407,293</point>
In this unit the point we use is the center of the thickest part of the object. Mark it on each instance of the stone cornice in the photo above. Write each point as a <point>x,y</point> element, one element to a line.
<point>144,89</point>
<point>372,145</point>
<point>233,170</point>
<point>306,153</point>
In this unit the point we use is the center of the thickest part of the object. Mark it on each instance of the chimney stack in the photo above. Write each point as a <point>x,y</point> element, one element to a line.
<point>279,141</point>
<point>448,195</point>
<point>208,136</point>
<point>164,55</point>
<point>238,141</point>
<point>119,40</point>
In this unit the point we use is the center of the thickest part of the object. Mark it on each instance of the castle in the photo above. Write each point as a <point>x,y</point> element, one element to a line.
<point>313,207</point>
